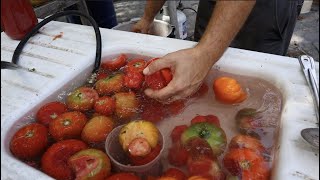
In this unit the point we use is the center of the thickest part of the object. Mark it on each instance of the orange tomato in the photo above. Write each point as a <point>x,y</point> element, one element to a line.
<point>227,90</point>
<point>197,178</point>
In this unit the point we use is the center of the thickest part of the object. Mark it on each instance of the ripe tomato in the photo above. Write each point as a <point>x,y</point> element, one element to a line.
<point>97,129</point>
<point>135,65</point>
<point>159,79</point>
<point>209,118</point>
<point>67,126</point>
<point>90,164</point>
<point>114,64</point>
<point>102,75</point>
<point>244,141</point>
<point>111,84</point>
<point>29,141</point>
<point>126,105</point>
<point>176,107</point>
<point>123,176</point>
<point>82,99</point>
<point>133,79</point>
<point>176,132</point>
<point>175,173</point>
<point>227,90</point>
<point>50,111</point>
<point>139,147</point>
<point>54,160</point>
<point>206,168</point>
<point>246,163</point>
<point>105,105</point>
<point>178,155</point>
<point>199,148</point>
<point>141,160</point>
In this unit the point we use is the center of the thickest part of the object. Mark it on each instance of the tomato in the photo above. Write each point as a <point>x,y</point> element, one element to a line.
<point>201,91</point>
<point>166,178</point>
<point>141,160</point>
<point>105,105</point>
<point>90,164</point>
<point>67,126</point>
<point>54,161</point>
<point>176,107</point>
<point>114,64</point>
<point>123,176</point>
<point>159,79</point>
<point>178,155</point>
<point>227,90</point>
<point>176,132</point>
<point>111,84</point>
<point>102,75</point>
<point>139,147</point>
<point>97,129</point>
<point>244,141</point>
<point>198,178</point>
<point>209,118</point>
<point>50,111</point>
<point>135,65</point>
<point>82,99</point>
<point>248,121</point>
<point>133,79</point>
<point>246,163</point>
<point>126,105</point>
<point>175,173</point>
<point>29,141</point>
<point>199,148</point>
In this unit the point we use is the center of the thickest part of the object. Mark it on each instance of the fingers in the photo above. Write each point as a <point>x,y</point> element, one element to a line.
<point>156,66</point>
<point>162,94</point>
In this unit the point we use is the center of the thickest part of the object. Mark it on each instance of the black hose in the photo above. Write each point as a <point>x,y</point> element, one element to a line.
<point>34,30</point>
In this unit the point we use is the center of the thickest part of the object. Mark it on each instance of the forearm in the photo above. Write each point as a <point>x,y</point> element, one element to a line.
<point>152,8</point>
<point>226,21</point>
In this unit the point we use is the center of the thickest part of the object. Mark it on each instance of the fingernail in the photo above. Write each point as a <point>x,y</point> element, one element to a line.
<point>146,71</point>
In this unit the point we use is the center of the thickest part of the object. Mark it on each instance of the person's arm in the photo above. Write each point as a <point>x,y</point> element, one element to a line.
<point>190,66</point>
<point>151,9</point>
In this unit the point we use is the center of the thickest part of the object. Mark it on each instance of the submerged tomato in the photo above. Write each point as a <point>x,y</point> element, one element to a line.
<point>90,164</point>
<point>206,168</point>
<point>50,111</point>
<point>133,79</point>
<point>114,64</point>
<point>175,173</point>
<point>54,162</point>
<point>178,155</point>
<point>244,141</point>
<point>152,110</point>
<point>82,99</point>
<point>105,105</point>
<point>227,90</point>
<point>208,118</point>
<point>30,141</point>
<point>111,84</point>
<point>176,133</point>
<point>67,126</point>
<point>246,164</point>
<point>135,65</point>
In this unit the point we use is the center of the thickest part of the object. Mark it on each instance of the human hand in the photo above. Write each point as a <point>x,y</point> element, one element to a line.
<point>142,26</point>
<point>189,67</point>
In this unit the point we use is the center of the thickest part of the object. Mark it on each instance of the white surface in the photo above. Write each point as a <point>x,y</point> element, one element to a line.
<point>71,57</point>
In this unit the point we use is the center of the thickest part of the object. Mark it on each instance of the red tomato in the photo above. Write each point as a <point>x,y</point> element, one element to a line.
<point>133,79</point>
<point>178,155</point>
<point>54,162</point>
<point>135,65</point>
<point>105,105</point>
<point>176,132</point>
<point>67,126</point>
<point>139,147</point>
<point>102,75</point>
<point>176,107</point>
<point>111,84</point>
<point>141,160</point>
<point>246,163</point>
<point>115,64</point>
<point>159,79</point>
<point>29,141</point>
<point>206,168</point>
<point>209,118</point>
<point>201,91</point>
<point>245,141</point>
<point>175,173</point>
<point>199,148</point>
<point>82,99</point>
<point>123,176</point>
<point>50,111</point>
